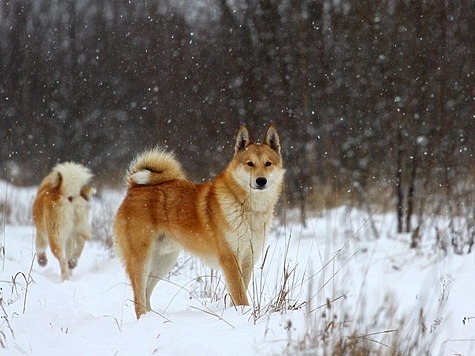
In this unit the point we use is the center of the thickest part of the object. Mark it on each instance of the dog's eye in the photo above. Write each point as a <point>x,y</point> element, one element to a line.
<point>250,164</point>
<point>268,164</point>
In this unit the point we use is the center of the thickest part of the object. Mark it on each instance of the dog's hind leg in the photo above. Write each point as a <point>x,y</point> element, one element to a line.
<point>163,257</point>
<point>159,269</point>
<point>41,243</point>
<point>137,264</point>
<point>58,249</point>
<point>81,231</point>
<point>75,248</point>
<point>136,271</point>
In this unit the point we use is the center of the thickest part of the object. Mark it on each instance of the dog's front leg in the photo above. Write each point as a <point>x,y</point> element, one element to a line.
<point>233,276</point>
<point>246,270</point>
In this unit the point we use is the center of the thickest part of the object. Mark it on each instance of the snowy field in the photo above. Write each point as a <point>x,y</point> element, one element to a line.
<point>345,282</point>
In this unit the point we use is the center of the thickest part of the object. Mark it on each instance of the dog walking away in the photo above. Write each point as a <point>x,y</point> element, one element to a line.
<point>224,222</point>
<point>61,215</point>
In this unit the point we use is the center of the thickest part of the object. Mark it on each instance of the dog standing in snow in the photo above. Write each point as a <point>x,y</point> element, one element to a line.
<point>223,222</point>
<point>61,215</point>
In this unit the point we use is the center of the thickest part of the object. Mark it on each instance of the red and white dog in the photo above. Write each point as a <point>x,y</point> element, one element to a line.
<point>61,215</point>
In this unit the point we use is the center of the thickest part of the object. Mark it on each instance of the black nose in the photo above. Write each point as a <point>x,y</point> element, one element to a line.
<point>261,181</point>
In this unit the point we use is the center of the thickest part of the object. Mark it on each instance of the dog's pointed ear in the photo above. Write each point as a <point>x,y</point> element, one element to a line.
<point>242,139</point>
<point>272,138</point>
<point>54,179</point>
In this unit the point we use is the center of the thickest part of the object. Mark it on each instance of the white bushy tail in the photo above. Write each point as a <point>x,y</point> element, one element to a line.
<point>71,177</point>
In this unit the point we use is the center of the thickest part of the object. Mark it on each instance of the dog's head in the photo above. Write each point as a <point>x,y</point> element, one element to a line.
<point>258,166</point>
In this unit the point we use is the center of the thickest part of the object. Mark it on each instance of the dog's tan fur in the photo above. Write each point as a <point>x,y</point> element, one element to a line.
<point>223,222</point>
<point>61,215</point>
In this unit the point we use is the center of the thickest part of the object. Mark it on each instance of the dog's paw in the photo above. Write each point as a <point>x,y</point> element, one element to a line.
<point>72,263</point>
<point>42,260</point>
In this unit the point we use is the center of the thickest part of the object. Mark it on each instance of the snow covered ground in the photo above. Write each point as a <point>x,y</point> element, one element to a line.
<point>346,277</point>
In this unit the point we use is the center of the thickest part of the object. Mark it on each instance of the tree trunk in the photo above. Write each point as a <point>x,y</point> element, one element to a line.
<point>399,190</point>
<point>410,193</point>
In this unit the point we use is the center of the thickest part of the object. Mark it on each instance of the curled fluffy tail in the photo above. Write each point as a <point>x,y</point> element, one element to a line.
<point>154,167</point>
<point>70,177</point>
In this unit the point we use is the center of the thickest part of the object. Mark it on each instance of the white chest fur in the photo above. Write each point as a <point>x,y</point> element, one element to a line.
<point>247,230</point>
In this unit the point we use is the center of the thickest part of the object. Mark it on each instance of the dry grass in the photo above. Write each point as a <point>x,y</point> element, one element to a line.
<point>331,327</point>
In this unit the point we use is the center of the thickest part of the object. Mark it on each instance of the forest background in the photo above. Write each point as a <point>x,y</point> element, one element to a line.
<point>374,100</point>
